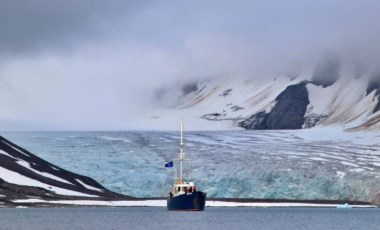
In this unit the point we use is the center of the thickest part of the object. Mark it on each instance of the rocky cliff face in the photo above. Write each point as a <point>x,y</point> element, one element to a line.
<point>288,112</point>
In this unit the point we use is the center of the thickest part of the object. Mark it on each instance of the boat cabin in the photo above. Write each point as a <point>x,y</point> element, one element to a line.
<point>183,187</point>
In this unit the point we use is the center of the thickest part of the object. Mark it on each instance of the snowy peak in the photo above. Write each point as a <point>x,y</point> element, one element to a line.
<point>24,175</point>
<point>223,99</point>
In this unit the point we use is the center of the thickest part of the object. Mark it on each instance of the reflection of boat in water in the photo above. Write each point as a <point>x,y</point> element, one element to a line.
<point>184,195</point>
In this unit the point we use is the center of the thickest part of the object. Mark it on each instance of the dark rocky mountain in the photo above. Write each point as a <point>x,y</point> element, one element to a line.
<point>288,112</point>
<point>26,176</point>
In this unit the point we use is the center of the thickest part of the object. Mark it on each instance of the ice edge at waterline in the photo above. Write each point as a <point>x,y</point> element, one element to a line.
<point>162,203</point>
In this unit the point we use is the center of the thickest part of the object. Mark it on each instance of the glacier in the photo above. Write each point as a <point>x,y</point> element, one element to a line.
<point>319,163</point>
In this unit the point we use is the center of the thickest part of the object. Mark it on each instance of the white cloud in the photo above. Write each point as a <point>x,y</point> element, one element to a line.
<point>96,67</point>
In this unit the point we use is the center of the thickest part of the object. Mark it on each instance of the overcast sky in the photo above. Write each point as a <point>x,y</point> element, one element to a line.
<point>93,64</point>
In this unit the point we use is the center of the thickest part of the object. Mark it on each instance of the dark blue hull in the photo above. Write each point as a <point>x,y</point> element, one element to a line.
<point>188,202</point>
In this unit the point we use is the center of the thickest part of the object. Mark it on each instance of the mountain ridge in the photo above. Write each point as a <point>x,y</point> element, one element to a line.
<point>281,103</point>
<point>26,176</point>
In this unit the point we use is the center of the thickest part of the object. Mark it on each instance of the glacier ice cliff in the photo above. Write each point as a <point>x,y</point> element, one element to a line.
<point>312,164</point>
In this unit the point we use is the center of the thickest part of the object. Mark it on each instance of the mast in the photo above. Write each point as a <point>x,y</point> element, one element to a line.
<point>181,155</point>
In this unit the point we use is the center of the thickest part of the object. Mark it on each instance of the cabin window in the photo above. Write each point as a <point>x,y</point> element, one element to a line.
<point>179,189</point>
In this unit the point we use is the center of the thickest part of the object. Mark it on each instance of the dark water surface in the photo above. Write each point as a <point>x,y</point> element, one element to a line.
<point>211,218</point>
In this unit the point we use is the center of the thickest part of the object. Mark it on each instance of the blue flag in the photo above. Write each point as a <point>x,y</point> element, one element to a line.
<point>169,164</point>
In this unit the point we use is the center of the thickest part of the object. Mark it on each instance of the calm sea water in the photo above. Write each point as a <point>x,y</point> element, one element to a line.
<point>211,218</point>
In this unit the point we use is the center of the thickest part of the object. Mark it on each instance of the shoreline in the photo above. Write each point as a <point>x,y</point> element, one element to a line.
<point>212,202</point>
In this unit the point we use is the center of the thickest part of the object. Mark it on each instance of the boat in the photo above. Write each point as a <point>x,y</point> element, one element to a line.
<point>184,195</point>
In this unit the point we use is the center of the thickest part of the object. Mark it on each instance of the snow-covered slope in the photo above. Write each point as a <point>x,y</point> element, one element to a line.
<point>221,100</point>
<point>23,175</point>
<point>279,103</point>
